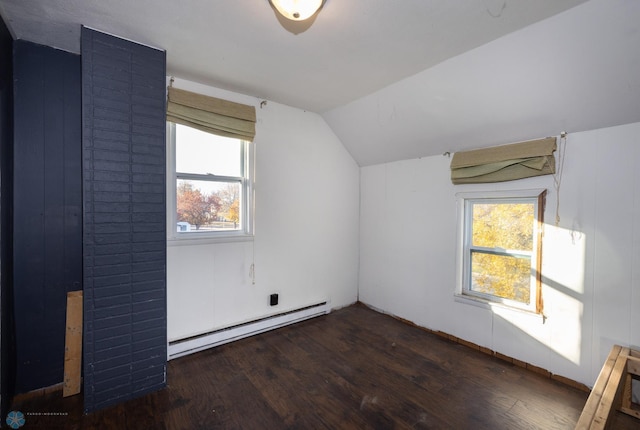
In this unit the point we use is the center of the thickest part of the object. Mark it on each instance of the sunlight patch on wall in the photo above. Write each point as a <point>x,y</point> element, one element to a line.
<point>563,273</point>
<point>563,259</point>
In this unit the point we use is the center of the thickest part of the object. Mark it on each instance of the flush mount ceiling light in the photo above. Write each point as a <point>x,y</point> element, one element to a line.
<point>297,10</point>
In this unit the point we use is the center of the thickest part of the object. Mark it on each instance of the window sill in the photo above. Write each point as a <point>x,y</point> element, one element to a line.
<point>498,307</point>
<point>190,241</point>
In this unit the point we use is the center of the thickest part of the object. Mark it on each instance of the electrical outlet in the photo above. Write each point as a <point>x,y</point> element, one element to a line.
<point>273,299</point>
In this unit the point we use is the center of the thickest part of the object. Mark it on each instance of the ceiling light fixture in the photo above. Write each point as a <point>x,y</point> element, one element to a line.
<point>297,10</point>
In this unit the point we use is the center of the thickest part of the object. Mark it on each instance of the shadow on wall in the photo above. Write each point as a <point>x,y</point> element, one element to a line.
<point>562,340</point>
<point>560,331</point>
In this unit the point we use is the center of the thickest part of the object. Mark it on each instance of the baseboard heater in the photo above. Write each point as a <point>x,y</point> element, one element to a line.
<point>193,344</point>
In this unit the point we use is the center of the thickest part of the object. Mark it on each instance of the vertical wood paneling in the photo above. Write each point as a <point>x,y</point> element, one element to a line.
<point>124,219</point>
<point>46,249</point>
<point>635,256</point>
<point>7,342</point>
<point>613,241</point>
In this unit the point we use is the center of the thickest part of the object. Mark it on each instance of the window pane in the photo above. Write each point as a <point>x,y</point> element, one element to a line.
<point>205,153</point>
<point>206,206</point>
<point>503,225</point>
<point>503,276</point>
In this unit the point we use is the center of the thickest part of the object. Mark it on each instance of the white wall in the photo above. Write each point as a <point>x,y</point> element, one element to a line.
<point>591,261</point>
<point>306,230</point>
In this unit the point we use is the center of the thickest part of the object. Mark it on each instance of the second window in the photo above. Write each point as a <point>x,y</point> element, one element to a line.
<point>501,249</point>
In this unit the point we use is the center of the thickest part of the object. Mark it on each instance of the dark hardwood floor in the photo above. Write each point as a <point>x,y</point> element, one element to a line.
<point>352,369</point>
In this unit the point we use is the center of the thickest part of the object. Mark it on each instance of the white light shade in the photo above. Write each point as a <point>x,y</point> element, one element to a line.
<point>297,10</point>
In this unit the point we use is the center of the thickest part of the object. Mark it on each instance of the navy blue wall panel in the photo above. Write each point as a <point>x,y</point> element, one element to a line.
<point>125,344</point>
<point>7,345</point>
<point>47,199</point>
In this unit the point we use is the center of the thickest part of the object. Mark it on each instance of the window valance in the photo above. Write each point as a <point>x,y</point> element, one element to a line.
<point>211,114</point>
<point>505,162</point>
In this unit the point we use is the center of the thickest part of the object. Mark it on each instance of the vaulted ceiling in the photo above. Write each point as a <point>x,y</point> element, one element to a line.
<point>394,79</point>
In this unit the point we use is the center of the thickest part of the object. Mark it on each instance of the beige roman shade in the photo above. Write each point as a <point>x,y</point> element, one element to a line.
<point>212,115</point>
<point>504,163</point>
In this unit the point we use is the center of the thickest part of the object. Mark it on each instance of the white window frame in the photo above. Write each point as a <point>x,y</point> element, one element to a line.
<point>247,203</point>
<point>463,291</point>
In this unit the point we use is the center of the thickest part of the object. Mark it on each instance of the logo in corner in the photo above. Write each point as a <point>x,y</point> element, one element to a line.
<point>15,419</point>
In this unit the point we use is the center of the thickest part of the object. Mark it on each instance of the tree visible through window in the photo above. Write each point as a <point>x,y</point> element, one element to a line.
<point>211,182</point>
<point>502,250</point>
<point>195,206</point>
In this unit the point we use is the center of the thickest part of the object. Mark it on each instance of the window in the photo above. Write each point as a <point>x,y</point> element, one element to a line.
<point>501,248</point>
<point>211,187</point>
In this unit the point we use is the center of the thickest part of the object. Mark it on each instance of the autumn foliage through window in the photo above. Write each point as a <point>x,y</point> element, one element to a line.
<point>501,255</point>
<point>214,210</point>
<point>211,183</point>
<point>508,227</point>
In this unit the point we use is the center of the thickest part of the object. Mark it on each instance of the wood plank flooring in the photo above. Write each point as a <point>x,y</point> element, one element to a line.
<point>351,369</point>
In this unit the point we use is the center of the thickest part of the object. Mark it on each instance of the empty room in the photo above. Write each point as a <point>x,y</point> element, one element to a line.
<point>359,214</point>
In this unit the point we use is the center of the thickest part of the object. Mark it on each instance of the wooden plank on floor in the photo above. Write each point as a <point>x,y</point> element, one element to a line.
<point>73,345</point>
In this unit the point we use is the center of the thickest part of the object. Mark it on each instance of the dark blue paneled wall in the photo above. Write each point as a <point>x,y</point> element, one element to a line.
<point>125,344</point>
<point>7,341</point>
<point>47,201</point>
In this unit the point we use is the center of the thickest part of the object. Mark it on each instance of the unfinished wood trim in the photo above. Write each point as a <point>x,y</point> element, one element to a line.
<point>442,335</point>
<point>541,206</point>
<point>632,412</point>
<point>488,351</point>
<point>468,344</point>
<point>570,382</point>
<point>73,345</point>
<point>589,410</point>
<point>633,364</point>
<point>530,367</point>
<point>633,369</point>
<point>539,370</point>
<point>520,363</point>
<point>627,391</point>
<point>612,391</point>
<point>612,394</point>
<point>504,357</point>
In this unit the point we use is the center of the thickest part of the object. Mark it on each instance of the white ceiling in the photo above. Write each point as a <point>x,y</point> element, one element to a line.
<point>576,71</point>
<point>394,79</point>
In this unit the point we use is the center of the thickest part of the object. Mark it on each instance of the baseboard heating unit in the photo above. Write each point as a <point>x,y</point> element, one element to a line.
<point>193,344</point>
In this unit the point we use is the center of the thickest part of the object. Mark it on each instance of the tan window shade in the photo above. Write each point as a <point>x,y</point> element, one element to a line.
<point>212,115</point>
<point>504,163</point>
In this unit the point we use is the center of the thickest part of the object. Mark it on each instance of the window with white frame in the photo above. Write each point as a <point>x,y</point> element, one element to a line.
<point>500,248</point>
<point>211,184</point>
